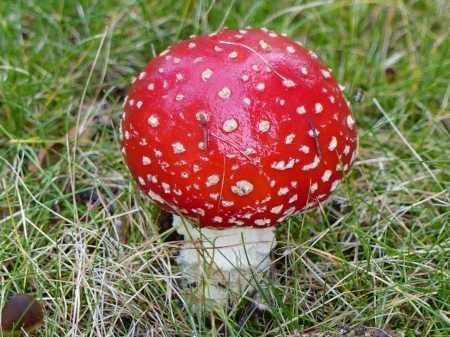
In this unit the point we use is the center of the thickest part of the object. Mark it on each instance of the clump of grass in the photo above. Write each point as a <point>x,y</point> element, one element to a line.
<point>100,256</point>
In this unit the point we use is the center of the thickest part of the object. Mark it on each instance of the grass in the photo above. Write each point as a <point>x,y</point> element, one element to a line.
<point>377,253</point>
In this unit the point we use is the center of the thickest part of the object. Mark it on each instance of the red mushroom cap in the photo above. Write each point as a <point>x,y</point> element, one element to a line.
<point>237,128</point>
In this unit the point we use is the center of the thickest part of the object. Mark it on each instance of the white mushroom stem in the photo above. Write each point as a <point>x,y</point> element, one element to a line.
<point>226,260</point>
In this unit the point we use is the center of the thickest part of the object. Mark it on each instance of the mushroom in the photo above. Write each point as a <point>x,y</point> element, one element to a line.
<point>234,132</point>
<point>22,312</point>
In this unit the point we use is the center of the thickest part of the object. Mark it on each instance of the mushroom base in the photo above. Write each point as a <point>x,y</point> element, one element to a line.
<point>227,261</point>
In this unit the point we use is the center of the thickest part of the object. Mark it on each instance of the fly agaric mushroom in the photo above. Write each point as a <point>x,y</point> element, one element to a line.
<point>236,131</point>
<point>22,312</point>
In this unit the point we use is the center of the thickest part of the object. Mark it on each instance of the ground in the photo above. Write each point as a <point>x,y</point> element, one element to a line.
<point>99,256</point>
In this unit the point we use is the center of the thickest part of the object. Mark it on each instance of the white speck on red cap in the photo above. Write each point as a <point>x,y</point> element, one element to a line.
<point>176,60</point>
<point>206,74</point>
<point>313,165</point>
<point>318,107</point>
<point>276,209</point>
<point>301,110</point>
<point>230,125</point>
<point>153,121</point>
<point>326,73</point>
<point>290,49</point>
<point>178,148</point>
<point>243,187</point>
<point>264,126</point>
<point>350,121</point>
<point>146,161</point>
<point>326,175</point>
<point>262,222</point>
<point>289,139</point>
<point>224,93</point>
<point>304,71</point>
<point>281,165</point>
<point>293,198</point>
<point>283,191</point>
<point>217,219</point>
<point>212,180</point>
<point>233,55</point>
<point>333,144</point>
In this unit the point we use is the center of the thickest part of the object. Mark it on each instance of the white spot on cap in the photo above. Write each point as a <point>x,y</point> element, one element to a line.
<point>326,73</point>
<point>247,101</point>
<point>335,184</point>
<point>212,180</point>
<point>184,175</point>
<point>318,107</point>
<point>331,99</point>
<point>214,196</point>
<point>166,187</point>
<point>347,149</point>
<point>161,70</point>
<point>262,222</point>
<point>333,144</point>
<point>198,59</point>
<point>230,125</point>
<point>179,97</point>
<point>217,219</point>
<point>179,76</point>
<point>289,138</point>
<point>242,31</point>
<point>288,83</point>
<point>301,110</point>
<point>127,135</point>
<point>326,176</point>
<point>156,197</point>
<point>283,191</point>
<point>225,92</point>
<point>293,198</point>
<point>142,75</point>
<point>260,86</point>
<point>164,85</point>
<point>199,211</point>
<point>264,45</point>
<point>196,168</point>
<point>176,60</point>
<point>290,49</point>
<point>350,121</point>
<point>206,74</point>
<point>342,87</point>
<point>264,126</point>
<point>276,210</point>
<point>141,181</point>
<point>272,34</point>
<point>157,153</point>
<point>151,86</point>
<point>281,165</point>
<point>304,149</point>
<point>244,78</point>
<point>131,102</point>
<point>153,121</point>
<point>313,165</point>
<point>304,71</point>
<point>232,55</point>
<point>313,54</point>
<point>217,48</point>
<point>191,45</point>
<point>227,203</point>
<point>146,161</point>
<point>178,148</point>
<point>255,67</point>
<point>243,187</point>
